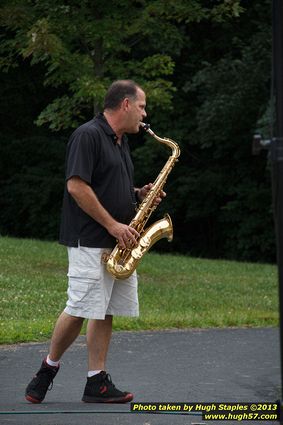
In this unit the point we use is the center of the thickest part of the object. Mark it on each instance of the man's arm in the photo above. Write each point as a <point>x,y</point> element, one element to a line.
<point>89,203</point>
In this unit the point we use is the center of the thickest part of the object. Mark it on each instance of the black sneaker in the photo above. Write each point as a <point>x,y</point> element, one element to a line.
<point>100,389</point>
<point>38,386</point>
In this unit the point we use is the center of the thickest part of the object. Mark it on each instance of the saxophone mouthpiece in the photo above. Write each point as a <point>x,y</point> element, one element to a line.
<point>145,126</point>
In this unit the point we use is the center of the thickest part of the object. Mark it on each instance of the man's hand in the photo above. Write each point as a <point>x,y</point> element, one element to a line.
<point>89,203</point>
<point>142,192</point>
<point>126,236</point>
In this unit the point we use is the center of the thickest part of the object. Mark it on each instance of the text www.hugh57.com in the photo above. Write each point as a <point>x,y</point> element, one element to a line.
<point>240,416</point>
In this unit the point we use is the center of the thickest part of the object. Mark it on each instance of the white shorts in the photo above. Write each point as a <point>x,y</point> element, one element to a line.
<point>93,293</point>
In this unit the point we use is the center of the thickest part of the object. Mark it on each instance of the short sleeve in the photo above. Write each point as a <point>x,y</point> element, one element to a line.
<point>81,156</point>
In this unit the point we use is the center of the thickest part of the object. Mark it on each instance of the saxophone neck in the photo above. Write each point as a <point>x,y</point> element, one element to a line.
<point>171,143</point>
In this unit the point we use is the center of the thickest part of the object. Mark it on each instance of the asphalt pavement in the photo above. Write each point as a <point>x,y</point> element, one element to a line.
<point>175,366</point>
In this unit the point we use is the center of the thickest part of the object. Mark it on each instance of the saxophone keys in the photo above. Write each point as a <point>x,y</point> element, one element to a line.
<point>145,241</point>
<point>105,257</point>
<point>137,253</point>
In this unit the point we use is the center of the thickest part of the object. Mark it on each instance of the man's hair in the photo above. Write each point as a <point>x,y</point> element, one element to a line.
<point>118,91</point>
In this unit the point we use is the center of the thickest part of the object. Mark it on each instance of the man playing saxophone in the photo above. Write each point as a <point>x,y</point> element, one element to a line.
<point>99,203</point>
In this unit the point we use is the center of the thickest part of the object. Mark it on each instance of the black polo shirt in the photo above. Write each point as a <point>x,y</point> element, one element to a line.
<point>94,155</point>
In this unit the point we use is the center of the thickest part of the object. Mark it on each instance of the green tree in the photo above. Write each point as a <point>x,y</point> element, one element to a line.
<point>220,195</point>
<point>84,45</point>
<point>230,215</point>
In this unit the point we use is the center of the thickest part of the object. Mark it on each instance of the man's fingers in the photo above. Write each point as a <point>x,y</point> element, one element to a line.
<point>159,198</point>
<point>121,244</point>
<point>128,238</point>
<point>132,237</point>
<point>134,232</point>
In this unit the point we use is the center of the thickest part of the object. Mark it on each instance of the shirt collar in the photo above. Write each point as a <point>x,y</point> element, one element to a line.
<point>107,129</point>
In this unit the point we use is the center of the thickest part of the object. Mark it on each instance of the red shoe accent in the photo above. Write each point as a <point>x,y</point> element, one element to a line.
<point>32,400</point>
<point>125,399</point>
<point>103,389</point>
<point>128,397</point>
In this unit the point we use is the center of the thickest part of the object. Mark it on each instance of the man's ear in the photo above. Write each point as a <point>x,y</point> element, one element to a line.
<point>125,104</point>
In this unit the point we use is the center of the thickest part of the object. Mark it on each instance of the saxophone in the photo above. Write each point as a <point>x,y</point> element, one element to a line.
<point>121,263</point>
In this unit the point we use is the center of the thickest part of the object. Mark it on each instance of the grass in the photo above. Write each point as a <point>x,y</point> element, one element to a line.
<point>175,292</point>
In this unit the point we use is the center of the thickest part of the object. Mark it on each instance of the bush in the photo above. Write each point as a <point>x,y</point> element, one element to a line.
<point>32,182</point>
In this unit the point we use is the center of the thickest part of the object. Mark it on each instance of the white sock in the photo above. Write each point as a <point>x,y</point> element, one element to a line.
<point>91,373</point>
<point>51,363</point>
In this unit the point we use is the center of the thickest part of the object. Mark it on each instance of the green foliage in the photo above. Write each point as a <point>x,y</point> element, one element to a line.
<point>32,181</point>
<point>220,195</point>
<point>83,51</point>
<point>225,193</point>
<point>61,112</point>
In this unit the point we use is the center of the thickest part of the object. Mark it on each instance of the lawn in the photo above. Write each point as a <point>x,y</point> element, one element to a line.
<point>175,291</point>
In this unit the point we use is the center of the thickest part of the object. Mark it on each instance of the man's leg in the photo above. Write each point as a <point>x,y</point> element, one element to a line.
<point>99,387</point>
<point>99,334</point>
<point>65,332</point>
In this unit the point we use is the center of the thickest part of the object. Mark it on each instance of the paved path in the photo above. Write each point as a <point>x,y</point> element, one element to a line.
<point>220,365</point>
